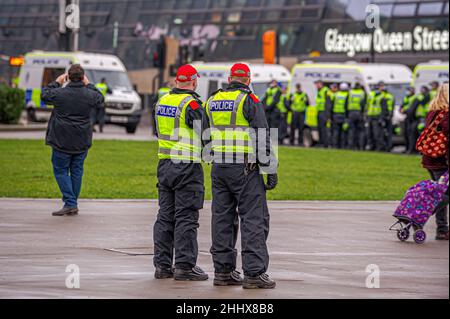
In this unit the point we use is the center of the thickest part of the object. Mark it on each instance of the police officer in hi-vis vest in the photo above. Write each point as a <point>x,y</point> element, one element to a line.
<point>271,101</point>
<point>299,103</point>
<point>356,107</point>
<point>98,114</point>
<point>417,112</point>
<point>388,103</point>
<point>323,105</point>
<point>408,100</point>
<point>180,121</point>
<point>339,116</point>
<point>238,187</point>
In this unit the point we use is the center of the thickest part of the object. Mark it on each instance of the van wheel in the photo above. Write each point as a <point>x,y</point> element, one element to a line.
<point>131,129</point>
<point>31,115</point>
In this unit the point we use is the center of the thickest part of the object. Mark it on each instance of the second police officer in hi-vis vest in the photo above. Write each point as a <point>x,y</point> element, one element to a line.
<point>180,121</point>
<point>238,187</point>
<point>356,107</point>
<point>299,104</point>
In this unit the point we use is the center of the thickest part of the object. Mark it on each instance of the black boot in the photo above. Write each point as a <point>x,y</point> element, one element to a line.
<point>163,273</point>
<point>228,279</point>
<point>66,211</point>
<point>261,282</point>
<point>194,274</point>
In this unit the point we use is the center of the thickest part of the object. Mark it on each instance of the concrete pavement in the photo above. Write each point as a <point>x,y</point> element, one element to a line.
<point>318,250</point>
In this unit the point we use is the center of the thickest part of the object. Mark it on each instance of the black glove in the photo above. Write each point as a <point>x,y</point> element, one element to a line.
<point>250,168</point>
<point>272,182</point>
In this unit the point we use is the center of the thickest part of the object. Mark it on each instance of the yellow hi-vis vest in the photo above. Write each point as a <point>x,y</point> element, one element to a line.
<point>339,102</point>
<point>176,140</point>
<point>103,88</point>
<point>270,94</point>
<point>390,100</point>
<point>229,129</point>
<point>374,109</point>
<point>355,99</point>
<point>299,102</point>
<point>281,106</point>
<point>321,98</point>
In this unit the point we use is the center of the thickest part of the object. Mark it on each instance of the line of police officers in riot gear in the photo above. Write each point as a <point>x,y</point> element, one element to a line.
<point>348,117</point>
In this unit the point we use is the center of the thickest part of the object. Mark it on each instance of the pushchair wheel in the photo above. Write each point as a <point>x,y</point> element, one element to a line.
<point>420,236</point>
<point>403,234</point>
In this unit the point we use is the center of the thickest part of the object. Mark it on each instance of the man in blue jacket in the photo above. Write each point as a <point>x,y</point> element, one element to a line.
<point>69,131</point>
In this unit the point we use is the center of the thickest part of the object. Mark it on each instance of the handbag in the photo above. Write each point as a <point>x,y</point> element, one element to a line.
<point>433,142</point>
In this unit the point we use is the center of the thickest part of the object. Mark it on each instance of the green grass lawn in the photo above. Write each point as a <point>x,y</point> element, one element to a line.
<point>117,169</point>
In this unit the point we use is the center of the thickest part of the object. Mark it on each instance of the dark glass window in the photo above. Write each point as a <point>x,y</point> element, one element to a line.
<point>291,14</point>
<point>310,13</point>
<point>430,9</point>
<point>183,4</point>
<point>405,10</point>
<point>271,15</point>
<point>199,4</point>
<point>254,3</point>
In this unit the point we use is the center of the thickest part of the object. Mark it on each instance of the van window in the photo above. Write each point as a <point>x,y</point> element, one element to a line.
<point>50,75</point>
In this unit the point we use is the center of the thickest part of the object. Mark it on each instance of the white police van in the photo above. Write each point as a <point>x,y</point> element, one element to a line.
<point>214,76</point>
<point>425,73</point>
<point>123,105</point>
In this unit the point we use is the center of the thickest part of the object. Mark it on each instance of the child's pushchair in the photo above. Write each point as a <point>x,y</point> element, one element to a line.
<point>418,205</point>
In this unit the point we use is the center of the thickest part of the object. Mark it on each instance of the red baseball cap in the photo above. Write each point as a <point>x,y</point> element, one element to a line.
<point>240,70</point>
<point>187,73</point>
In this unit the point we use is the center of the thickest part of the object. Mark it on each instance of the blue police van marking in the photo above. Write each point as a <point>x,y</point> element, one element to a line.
<point>222,106</point>
<point>167,111</point>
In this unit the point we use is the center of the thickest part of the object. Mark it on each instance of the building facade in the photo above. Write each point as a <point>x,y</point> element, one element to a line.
<point>410,31</point>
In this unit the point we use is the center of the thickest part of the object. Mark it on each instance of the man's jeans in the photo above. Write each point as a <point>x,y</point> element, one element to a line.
<point>68,171</point>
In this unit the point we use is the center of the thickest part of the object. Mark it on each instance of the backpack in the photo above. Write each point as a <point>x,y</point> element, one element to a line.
<point>433,142</point>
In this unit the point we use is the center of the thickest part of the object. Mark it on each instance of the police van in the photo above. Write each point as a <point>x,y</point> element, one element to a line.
<point>397,78</point>
<point>214,76</point>
<point>425,73</point>
<point>123,105</point>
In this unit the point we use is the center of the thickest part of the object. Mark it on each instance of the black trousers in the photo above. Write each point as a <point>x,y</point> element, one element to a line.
<point>238,195</point>
<point>339,135</point>
<point>298,124</point>
<point>442,210</point>
<point>181,195</point>
<point>356,130</point>
<point>388,135</point>
<point>324,132</point>
<point>406,133</point>
<point>413,135</point>
<point>375,136</point>
<point>98,116</point>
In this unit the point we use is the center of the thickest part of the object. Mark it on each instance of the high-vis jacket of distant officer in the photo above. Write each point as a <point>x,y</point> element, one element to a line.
<point>323,97</point>
<point>340,102</point>
<point>357,99</point>
<point>272,98</point>
<point>299,102</point>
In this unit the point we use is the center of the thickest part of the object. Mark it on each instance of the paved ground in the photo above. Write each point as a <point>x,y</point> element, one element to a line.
<point>318,250</point>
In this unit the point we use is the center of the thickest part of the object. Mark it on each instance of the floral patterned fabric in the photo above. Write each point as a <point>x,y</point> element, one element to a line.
<point>420,201</point>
